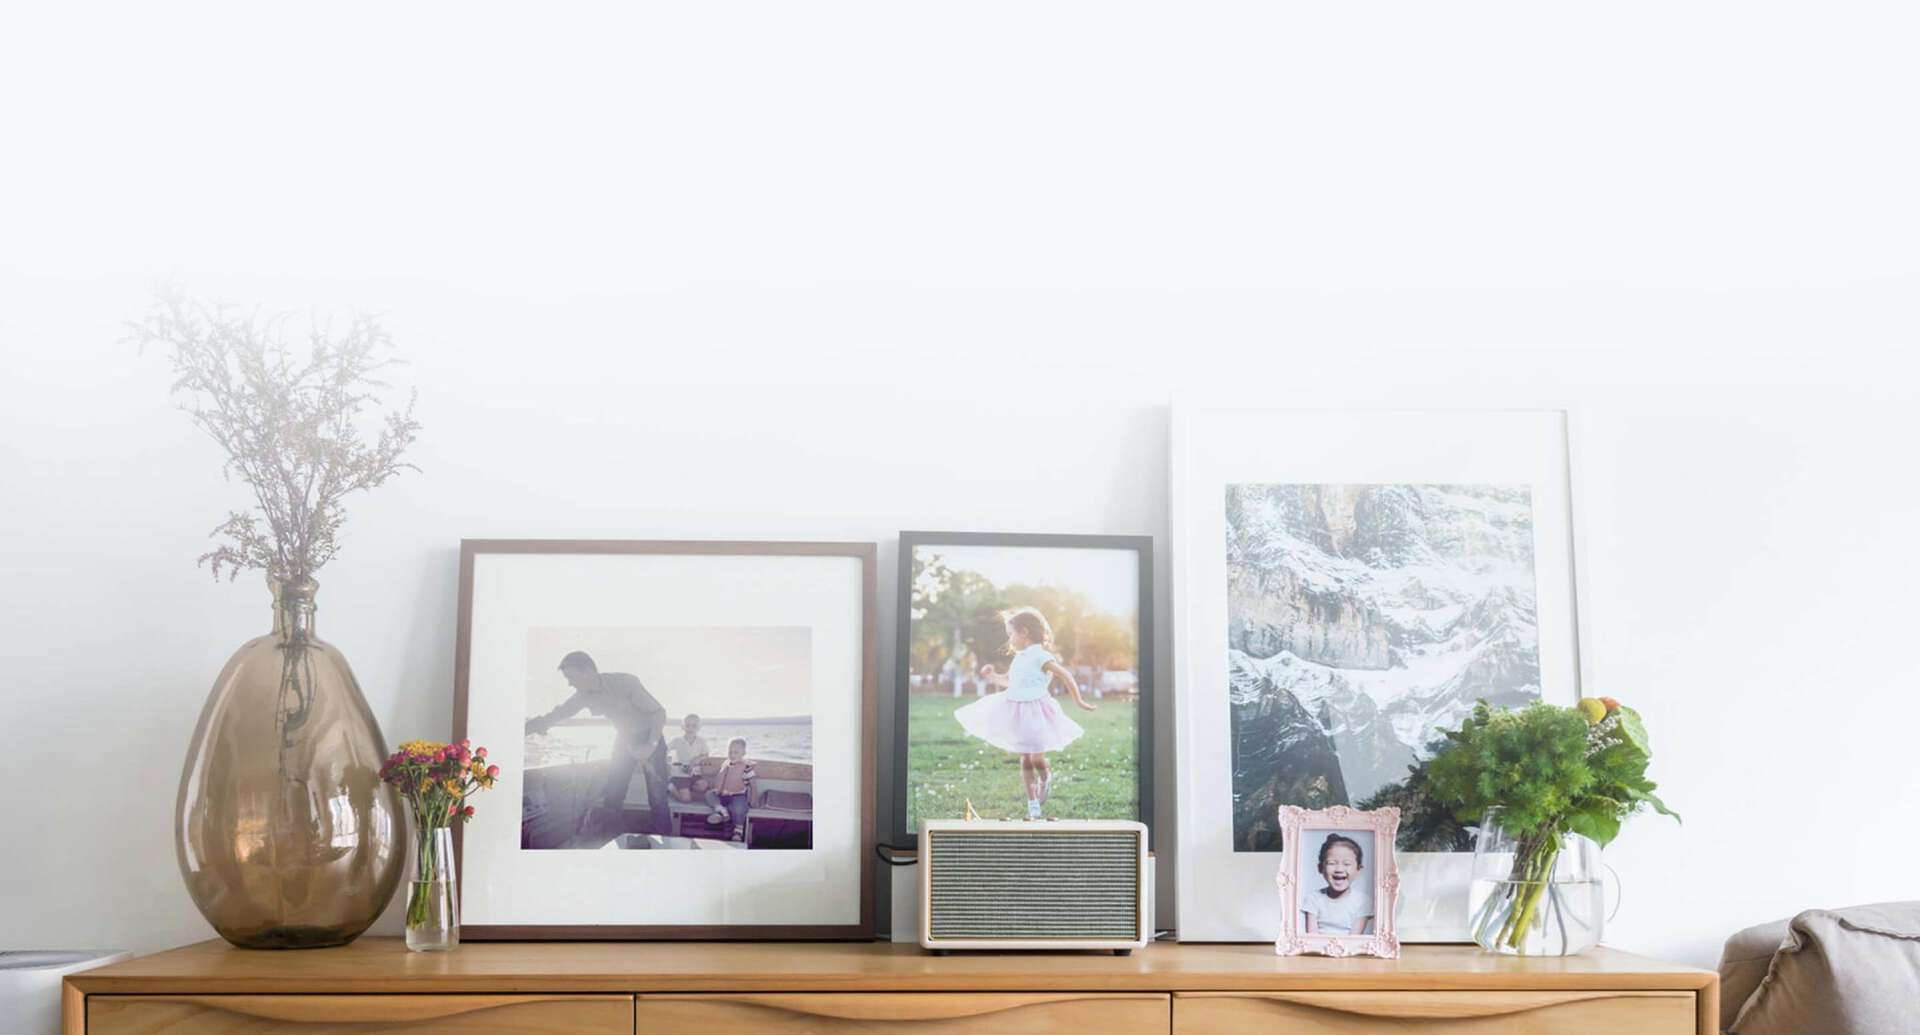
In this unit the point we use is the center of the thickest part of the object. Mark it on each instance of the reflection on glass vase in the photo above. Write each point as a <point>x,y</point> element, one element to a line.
<point>285,835</point>
<point>1535,896</point>
<point>433,899</point>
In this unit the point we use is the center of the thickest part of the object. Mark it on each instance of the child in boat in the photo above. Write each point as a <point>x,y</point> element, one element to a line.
<point>1024,719</point>
<point>1345,905</point>
<point>684,752</point>
<point>731,786</point>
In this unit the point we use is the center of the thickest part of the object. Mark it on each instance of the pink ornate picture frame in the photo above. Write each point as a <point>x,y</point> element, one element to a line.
<point>1331,857</point>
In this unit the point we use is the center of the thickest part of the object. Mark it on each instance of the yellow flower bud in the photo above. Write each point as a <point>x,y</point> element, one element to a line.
<point>1593,708</point>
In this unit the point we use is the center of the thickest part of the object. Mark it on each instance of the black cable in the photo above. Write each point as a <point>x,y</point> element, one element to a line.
<point>882,850</point>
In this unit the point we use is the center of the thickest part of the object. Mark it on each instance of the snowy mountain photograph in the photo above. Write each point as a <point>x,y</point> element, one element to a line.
<point>1363,621</point>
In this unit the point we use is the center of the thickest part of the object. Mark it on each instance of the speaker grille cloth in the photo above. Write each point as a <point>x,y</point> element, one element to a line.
<point>998,885</point>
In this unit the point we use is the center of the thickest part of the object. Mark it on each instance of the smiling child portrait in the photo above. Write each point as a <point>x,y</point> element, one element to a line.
<point>1337,881</point>
<point>1336,887</point>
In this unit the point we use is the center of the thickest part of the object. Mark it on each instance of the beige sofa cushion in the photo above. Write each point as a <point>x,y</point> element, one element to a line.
<point>1743,965</point>
<point>1853,971</point>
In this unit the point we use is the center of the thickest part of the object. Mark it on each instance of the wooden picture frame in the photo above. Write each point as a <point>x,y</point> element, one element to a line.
<point>903,833</point>
<point>1317,843</point>
<point>809,575</point>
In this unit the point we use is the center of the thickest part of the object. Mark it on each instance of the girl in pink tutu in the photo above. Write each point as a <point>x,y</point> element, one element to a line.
<point>1024,718</point>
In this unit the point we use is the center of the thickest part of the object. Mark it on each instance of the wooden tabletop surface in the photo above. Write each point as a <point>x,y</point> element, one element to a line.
<point>384,965</point>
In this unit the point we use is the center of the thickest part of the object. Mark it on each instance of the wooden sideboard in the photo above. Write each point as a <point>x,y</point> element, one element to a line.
<point>375,985</point>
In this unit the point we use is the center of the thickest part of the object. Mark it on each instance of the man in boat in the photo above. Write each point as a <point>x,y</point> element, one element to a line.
<point>638,721</point>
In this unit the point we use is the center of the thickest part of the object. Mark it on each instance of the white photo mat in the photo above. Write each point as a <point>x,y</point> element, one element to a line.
<point>504,886</point>
<point>1224,895</point>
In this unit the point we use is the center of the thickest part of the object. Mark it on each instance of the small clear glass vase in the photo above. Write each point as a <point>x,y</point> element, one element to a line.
<point>433,896</point>
<point>1535,896</point>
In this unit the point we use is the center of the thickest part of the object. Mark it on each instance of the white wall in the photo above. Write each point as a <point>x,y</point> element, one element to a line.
<point>834,270</point>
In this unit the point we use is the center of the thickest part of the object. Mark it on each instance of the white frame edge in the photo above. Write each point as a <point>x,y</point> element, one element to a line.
<point>1576,431</point>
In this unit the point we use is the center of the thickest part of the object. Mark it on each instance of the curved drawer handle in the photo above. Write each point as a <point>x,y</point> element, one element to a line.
<point>1427,1006</point>
<point>347,1009</point>
<point>883,1006</point>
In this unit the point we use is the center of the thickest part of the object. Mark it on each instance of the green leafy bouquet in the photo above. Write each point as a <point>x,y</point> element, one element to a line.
<point>1551,771</point>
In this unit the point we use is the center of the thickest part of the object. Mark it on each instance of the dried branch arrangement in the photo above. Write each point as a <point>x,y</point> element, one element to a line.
<point>291,428</point>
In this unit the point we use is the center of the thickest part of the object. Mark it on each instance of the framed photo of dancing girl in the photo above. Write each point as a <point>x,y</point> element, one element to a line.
<point>687,730</point>
<point>1024,678</point>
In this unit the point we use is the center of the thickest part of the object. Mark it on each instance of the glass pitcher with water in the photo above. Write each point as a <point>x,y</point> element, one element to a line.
<point>1535,896</point>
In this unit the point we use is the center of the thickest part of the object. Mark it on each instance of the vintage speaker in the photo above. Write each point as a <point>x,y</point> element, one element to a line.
<point>1042,884</point>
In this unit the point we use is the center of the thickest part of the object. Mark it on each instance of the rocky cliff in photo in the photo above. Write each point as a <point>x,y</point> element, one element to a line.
<point>1363,620</point>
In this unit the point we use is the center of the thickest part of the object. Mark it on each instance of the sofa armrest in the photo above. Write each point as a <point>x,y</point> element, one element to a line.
<point>1853,971</point>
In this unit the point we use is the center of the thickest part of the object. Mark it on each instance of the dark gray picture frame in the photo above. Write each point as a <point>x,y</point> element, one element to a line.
<point>898,834</point>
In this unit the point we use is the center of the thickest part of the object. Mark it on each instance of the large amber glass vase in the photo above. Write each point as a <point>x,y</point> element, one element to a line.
<point>287,837</point>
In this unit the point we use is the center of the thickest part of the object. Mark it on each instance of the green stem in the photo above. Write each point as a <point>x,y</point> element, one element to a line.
<point>420,891</point>
<point>1533,872</point>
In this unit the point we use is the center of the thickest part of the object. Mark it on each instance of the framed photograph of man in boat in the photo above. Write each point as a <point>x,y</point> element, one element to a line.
<point>688,726</point>
<point>1024,678</point>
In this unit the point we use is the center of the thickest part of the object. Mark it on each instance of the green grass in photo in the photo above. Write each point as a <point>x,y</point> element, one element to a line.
<point>1093,778</point>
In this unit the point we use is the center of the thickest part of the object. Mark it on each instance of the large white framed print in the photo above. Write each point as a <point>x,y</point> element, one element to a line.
<point>687,729</point>
<point>1346,586</point>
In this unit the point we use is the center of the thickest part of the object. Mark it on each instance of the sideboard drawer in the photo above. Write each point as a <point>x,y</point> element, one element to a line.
<point>944,1013</point>
<point>359,1014</point>
<point>1479,1012</point>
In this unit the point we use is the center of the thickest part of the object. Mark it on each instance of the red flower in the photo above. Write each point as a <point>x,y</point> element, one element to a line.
<point>493,771</point>
<point>467,812</point>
